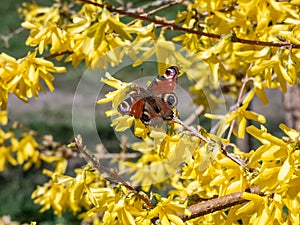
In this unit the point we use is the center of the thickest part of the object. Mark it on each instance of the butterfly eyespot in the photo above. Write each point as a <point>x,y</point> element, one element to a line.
<point>171,72</point>
<point>171,99</point>
<point>145,118</point>
<point>124,107</point>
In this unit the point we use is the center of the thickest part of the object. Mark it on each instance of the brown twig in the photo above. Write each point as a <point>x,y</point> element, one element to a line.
<point>194,116</point>
<point>158,3</point>
<point>57,54</point>
<point>191,129</point>
<point>234,159</point>
<point>162,7</point>
<point>287,45</point>
<point>237,104</point>
<point>18,125</point>
<point>113,175</point>
<point>7,37</point>
<point>173,26</point>
<point>207,140</point>
<point>216,204</point>
<point>119,156</point>
<point>46,145</point>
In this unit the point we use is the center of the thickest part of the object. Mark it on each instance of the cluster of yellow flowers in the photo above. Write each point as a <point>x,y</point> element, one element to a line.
<point>26,151</point>
<point>23,77</point>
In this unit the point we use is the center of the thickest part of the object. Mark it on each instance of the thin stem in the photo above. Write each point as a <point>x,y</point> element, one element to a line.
<point>191,129</point>
<point>194,116</point>
<point>113,175</point>
<point>157,3</point>
<point>238,102</point>
<point>7,37</point>
<point>236,160</point>
<point>121,156</point>
<point>207,140</point>
<point>288,45</point>
<point>152,20</point>
<point>156,10</point>
<point>57,54</point>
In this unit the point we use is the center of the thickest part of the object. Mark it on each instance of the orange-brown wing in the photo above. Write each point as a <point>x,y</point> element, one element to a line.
<point>137,108</point>
<point>166,83</point>
<point>132,106</point>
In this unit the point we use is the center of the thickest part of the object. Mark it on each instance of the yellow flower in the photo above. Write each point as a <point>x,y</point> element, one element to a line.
<point>31,69</point>
<point>27,152</point>
<point>3,117</point>
<point>167,210</point>
<point>6,155</point>
<point>49,34</point>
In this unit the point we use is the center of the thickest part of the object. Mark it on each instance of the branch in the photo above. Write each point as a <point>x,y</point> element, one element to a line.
<point>46,145</point>
<point>236,160</point>
<point>119,156</point>
<point>238,103</point>
<point>173,26</point>
<point>113,175</point>
<point>288,45</point>
<point>160,4</point>
<point>207,140</point>
<point>7,37</point>
<point>191,129</point>
<point>216,204</point>
<point>194,116</point>
<point>57,54</point>
<point>162,7</point>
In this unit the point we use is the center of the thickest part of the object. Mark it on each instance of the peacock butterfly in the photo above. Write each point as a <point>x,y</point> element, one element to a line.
<point>154,104</point>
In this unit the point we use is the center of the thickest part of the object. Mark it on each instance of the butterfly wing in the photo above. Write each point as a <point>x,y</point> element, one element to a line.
<point>163,86</point>
<point>134,104</point>
<point>166,83</point>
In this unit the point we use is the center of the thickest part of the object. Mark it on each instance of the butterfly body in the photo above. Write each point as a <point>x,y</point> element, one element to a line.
<point>154,104</point>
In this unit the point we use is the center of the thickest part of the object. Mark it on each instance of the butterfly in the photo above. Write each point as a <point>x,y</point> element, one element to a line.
<point>154,104</point>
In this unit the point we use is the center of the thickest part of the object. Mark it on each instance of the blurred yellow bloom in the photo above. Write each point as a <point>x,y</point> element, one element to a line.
<point>3,117</point>
<point>47,35</point>
<point>22,77</point>
<point>27,152</point>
